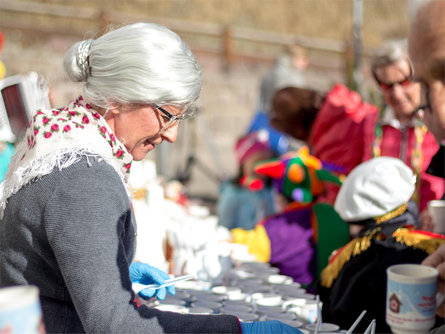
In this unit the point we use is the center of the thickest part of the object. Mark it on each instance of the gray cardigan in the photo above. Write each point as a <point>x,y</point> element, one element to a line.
<point>71,233</point>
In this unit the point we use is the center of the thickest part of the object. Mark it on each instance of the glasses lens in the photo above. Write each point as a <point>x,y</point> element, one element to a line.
<point>405,82</point>
<point>168,124</point>
<point>385,86</point>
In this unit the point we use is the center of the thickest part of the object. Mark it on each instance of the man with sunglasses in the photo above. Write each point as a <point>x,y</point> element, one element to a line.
<point>398,132</point>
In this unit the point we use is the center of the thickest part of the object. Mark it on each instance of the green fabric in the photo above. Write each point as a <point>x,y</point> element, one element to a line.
<point>325,175</point>
<point>333,233</point>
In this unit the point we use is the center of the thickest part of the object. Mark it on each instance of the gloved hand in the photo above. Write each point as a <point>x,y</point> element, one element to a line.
<point>143,273</point>
<point>264,327</point>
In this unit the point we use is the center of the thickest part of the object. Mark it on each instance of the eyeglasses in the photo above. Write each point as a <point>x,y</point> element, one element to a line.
<point>171,119</point>
<point>387,86</point>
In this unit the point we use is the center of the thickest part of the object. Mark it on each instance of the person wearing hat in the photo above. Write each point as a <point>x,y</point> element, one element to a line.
<point>299,238</point>
<point>398,132</point>
<point>332,124</point>
<point>342,129</point>
<point>376,195</point>
<point>243,203</point>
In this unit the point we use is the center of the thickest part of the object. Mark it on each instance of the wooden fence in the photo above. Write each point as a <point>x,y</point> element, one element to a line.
<point>230,44</point>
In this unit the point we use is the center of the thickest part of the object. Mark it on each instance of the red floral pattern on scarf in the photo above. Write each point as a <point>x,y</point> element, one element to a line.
<point>61,121</point>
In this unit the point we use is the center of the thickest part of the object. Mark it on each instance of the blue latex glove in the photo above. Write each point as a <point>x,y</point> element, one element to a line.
<point>264,327</point>
<point>143,273</point>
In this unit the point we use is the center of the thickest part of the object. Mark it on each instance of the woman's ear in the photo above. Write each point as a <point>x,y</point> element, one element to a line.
<point>114,108</point>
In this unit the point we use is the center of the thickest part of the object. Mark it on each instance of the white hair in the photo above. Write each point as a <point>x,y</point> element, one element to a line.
<point>138,63</point>
<point>389,53</point>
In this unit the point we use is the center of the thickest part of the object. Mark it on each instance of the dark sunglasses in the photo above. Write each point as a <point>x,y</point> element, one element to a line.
<point>390,85</point>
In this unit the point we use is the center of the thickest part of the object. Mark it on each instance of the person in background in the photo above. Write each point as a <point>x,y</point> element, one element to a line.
<point>332,124</point>
<point>66,221</point>
<point>241,202</point>
<point>398,132</point>
<point>376,196</point>
<point>288,70</point>
<point>299,238</point>
<point>427,53</point>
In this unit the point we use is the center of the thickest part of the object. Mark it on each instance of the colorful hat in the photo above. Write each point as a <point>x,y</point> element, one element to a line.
<point>299,176</point>
<point>375,188</point>
<point>252,143</point>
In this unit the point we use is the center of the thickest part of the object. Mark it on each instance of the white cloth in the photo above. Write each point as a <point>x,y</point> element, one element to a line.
<point>58,138</point>
<point>389,118</point>
<point>375,188</point>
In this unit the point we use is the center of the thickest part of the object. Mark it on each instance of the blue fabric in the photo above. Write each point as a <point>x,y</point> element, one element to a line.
<point>265,327</point>
<point>5,158</point>
<point>241,207</point>
<point>277,140</point>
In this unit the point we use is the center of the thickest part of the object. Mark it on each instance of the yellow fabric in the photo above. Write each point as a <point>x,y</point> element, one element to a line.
<point>139,193</point>
<point>256,240</point>
<point>353,248</point>
<point>418,240</point>
<point>2,70</point>
<point>390,215</point>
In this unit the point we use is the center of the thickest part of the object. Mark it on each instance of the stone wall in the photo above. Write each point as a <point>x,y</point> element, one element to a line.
<point>228,98</point>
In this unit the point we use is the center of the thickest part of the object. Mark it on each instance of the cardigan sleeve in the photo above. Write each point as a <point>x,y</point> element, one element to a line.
<point>88,219</point>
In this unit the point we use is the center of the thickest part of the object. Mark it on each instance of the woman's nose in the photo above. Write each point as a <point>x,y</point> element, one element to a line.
<point>171,133</point>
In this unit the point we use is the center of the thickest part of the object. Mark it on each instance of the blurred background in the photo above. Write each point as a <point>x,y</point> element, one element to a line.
<point>235,41</point>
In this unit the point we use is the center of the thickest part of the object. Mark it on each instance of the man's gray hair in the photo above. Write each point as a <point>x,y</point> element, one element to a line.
<point>139,63</point>
<point>389,53</point>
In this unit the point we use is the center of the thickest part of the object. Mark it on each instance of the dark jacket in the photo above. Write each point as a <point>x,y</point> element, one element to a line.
<point>355,279</point>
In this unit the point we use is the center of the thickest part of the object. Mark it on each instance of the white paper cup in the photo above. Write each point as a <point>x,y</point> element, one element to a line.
<point>280,279</point>
<point>411,298</point>
<point>267,299</point>
<point>436,209</point>
<point>20,310</point>
<point>306,311</point>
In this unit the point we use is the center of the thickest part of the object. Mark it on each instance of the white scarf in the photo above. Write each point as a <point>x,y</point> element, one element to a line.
<point>60,138</point>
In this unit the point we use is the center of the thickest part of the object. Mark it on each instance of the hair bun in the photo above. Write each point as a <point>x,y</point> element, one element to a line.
<point>76,62</point>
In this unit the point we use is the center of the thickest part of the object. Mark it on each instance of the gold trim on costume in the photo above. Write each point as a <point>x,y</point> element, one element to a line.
<point>390,215</point>
<point>417,240</point>
<point>403,235</point>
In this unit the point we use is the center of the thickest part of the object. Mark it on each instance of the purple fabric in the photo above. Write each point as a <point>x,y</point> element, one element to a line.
<point>292,247</point>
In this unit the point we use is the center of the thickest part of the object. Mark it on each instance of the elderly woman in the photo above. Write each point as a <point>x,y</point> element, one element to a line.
<point>67,225</point>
